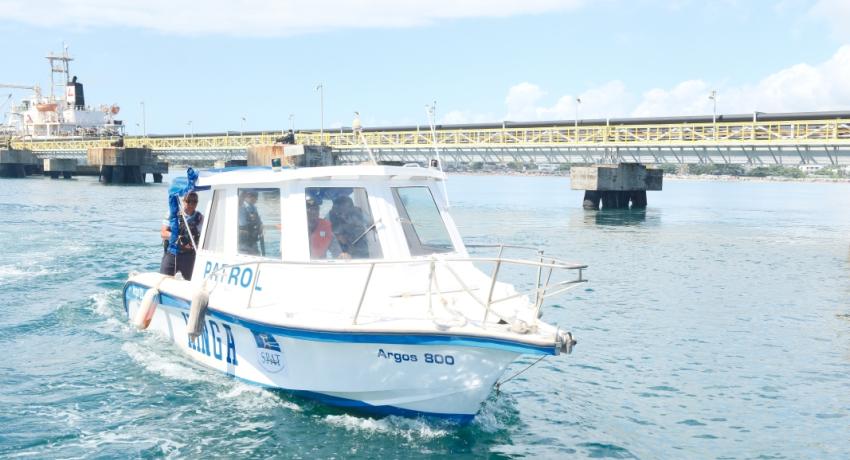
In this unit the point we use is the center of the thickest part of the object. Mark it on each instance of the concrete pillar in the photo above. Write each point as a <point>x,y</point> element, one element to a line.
<point>591,199</point>
<point>638,199</point>
<point>615,185</point>
<point>14,163</point>
<point>156,170</point>
<point>55,167</point>
<point>87,170</point>
<point>615,200</point>
<point>33,170</point>
<point>12,170</point>
<point>121,165</point>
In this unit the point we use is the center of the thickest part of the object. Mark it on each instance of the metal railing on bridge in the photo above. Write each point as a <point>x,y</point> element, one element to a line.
<point>758,137</point>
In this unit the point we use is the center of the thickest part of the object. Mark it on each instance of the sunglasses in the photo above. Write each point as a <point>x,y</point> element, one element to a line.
<point>191,201</point>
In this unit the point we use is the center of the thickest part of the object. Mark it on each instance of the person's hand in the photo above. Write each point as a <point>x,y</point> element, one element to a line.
<point>345,255</point>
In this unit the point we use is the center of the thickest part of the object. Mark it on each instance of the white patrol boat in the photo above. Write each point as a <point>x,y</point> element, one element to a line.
<point>351,285</point>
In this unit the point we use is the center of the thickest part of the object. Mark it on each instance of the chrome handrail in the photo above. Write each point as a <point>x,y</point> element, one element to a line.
<point>541,291</point>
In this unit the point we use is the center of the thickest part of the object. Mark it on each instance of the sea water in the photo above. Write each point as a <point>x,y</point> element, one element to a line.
<point>716,324</point>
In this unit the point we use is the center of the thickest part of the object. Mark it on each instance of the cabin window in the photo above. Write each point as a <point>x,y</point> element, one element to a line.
<point>423,225</point>
<point>259,222</point>
<point>340,224</point>
<point>214,238</point>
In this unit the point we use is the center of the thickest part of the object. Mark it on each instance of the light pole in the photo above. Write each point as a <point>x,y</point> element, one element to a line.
<point>321,89</point>
<point>713,97</point>
<point>144,120</point>
<point>191,129</point>
<point>292,122</point>
<point>242,127</point>
<point>578,103</point>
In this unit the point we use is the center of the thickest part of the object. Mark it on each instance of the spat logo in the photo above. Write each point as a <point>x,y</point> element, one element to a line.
<point>269,354</point>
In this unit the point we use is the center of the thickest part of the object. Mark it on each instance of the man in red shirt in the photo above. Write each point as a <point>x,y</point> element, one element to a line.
<point>323,244</point>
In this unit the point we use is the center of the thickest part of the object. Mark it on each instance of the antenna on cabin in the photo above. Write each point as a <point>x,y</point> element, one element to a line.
<point>431,111</point>
<point>357,129</point>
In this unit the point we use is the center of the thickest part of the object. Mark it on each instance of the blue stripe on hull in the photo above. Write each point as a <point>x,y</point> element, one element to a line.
<point>355,337</point>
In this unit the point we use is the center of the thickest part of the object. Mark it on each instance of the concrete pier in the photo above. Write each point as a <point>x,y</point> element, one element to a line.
<point>615,186</point>
<point>292,155</point>
<point>54,167</point>
<point>262,155</point>
<point>15,163</point>
<point>121,165</point>
<point>230,163</point>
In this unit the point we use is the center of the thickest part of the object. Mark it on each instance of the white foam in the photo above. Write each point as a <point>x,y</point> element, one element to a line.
<point>160,363</point>
<point>91,441</point>
<point>495,410</point>
<point>17,272</point>
<point>107,305</point>
<point>101,303</point>
<point>249,397</point>
<point>408,428</point>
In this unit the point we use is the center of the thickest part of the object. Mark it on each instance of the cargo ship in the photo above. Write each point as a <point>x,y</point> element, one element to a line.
<point>43,115</point>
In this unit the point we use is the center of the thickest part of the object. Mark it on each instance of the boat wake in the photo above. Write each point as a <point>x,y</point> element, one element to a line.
<point>145,352</point>
<point>18,272</point>
<point>248,397</point>
<point>410,429</point>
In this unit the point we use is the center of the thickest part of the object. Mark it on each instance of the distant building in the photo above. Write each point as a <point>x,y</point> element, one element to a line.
<point>808,169</point>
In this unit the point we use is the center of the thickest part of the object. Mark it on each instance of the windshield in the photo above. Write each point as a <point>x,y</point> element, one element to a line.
<point>424,229</point>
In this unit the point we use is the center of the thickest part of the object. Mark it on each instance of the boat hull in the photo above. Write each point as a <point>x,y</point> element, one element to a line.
<point>408,374</point>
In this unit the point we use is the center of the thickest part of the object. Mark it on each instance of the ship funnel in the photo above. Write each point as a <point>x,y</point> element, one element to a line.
<point>74,96</point>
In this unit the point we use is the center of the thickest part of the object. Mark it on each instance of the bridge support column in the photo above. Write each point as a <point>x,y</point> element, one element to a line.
<point>156,170</point>
<point>15,163</point>
<point>60,166</point>
<point>591,199</point>
<point>121,165</point>
<point>615,186</point>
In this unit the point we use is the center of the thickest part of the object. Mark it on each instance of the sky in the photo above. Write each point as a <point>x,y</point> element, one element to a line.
<point>253,65</point>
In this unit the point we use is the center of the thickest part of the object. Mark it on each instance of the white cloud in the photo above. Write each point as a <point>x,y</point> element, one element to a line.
<point>264,17</point>
<point>608,99</point>
<point>687,98</point>
<point>798,88</point>
<point>522,100</point>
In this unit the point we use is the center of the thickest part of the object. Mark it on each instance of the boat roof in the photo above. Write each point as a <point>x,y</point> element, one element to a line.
<point>263,175</point>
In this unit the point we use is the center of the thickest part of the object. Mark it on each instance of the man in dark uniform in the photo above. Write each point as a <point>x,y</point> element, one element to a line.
<point>184,261</point>
<point>250,225</point>
<point>349,227</point>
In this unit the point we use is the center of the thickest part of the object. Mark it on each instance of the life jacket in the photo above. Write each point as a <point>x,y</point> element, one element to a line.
<point>195,220</point>
<point>320,239</point>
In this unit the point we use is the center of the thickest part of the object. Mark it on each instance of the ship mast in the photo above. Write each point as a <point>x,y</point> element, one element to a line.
<point>59,64</point>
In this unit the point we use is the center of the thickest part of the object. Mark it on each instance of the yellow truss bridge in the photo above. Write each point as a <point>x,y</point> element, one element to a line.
<point>800,140</point>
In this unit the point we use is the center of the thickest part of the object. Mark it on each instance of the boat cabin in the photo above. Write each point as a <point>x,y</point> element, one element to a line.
<point>326,214</point>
